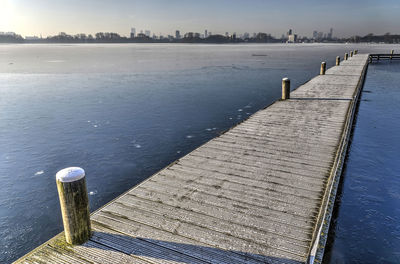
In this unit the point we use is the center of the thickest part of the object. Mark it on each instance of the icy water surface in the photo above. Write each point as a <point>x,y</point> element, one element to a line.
<point>123,112</point>
<point>366,222</point>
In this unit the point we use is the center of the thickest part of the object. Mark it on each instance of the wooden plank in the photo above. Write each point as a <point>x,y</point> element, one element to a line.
<point>226,218</point>
<point>134,250</point>
<point>271,150</point>
<point>336,80</point>
<point>265,183</point>
<point>219,194</point>
<point>244,169</point>
<point>234,210</point>
<point>234,231</point>
<point>268,153</point>
<point>246,187</point>
<point>211,238</point>
<point>195,248</point>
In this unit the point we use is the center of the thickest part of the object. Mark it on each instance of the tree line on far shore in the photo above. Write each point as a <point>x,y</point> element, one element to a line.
<point>110,37</point>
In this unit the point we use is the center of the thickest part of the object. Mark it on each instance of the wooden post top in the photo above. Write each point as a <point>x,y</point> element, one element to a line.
<point>70,174</point>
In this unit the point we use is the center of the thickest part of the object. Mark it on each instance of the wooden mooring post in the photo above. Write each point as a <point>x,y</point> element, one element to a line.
<point>285,88</point>
<point>351,53</point>
<point>323,68</point>
<point>74,202</point>
<point>355,52</point>
<point>346,56</point>
<point>337,61</point>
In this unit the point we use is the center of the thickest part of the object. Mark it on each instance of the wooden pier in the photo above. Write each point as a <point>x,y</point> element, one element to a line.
<point>378,57</point>
<point>260,193</point>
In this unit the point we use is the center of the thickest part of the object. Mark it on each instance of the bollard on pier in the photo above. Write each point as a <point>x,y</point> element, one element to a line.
<point>74,202</point>
<point>285,88</point>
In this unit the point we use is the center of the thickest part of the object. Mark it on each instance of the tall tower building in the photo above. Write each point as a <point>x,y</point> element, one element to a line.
<point>177,34</point>
<point>330,35</point>
<point>133,32</point>
<point>205,34</point>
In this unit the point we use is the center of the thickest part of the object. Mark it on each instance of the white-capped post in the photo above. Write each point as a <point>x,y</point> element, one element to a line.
<point>71,186</point>
<point>285,88</point>
<point>323,68</point>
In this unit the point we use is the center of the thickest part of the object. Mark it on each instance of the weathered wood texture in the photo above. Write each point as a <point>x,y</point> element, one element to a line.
<point>74,205</point>
<point>255,194</point>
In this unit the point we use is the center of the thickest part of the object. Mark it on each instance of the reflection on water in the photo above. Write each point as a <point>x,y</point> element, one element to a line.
<point>366,223</point>
<point>122,112</point>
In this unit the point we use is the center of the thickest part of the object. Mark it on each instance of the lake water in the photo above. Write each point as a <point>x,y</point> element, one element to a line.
<point>123,112</point>
<point>366,222</point>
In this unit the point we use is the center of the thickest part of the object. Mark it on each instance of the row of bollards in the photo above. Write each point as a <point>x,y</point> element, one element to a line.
<point>286,81</point>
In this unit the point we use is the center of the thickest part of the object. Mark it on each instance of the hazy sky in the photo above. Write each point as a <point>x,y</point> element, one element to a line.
<point>350,17</point>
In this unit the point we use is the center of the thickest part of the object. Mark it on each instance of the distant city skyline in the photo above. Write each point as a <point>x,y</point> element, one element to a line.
<point>347,18</point>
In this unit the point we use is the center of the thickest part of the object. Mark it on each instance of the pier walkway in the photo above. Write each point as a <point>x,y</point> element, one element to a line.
<point>260,193</point>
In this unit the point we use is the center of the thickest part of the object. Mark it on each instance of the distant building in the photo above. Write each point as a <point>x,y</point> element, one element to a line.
<point>147,33</point>
<point>133,32</point>
<point>142,36</point>
<point>246,35</point>
<point>330,34</point>
<point>31,38</point>
<point>7,34</point>
<point>315,34</point>
<point>227,34</point>
<point>189,35</point>
<point>177,34</point>
<point>292,38</point>
<point>197,35</point>
<point>205,34</point>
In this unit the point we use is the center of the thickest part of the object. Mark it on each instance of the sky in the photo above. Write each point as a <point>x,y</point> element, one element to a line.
<point>347,18</point>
